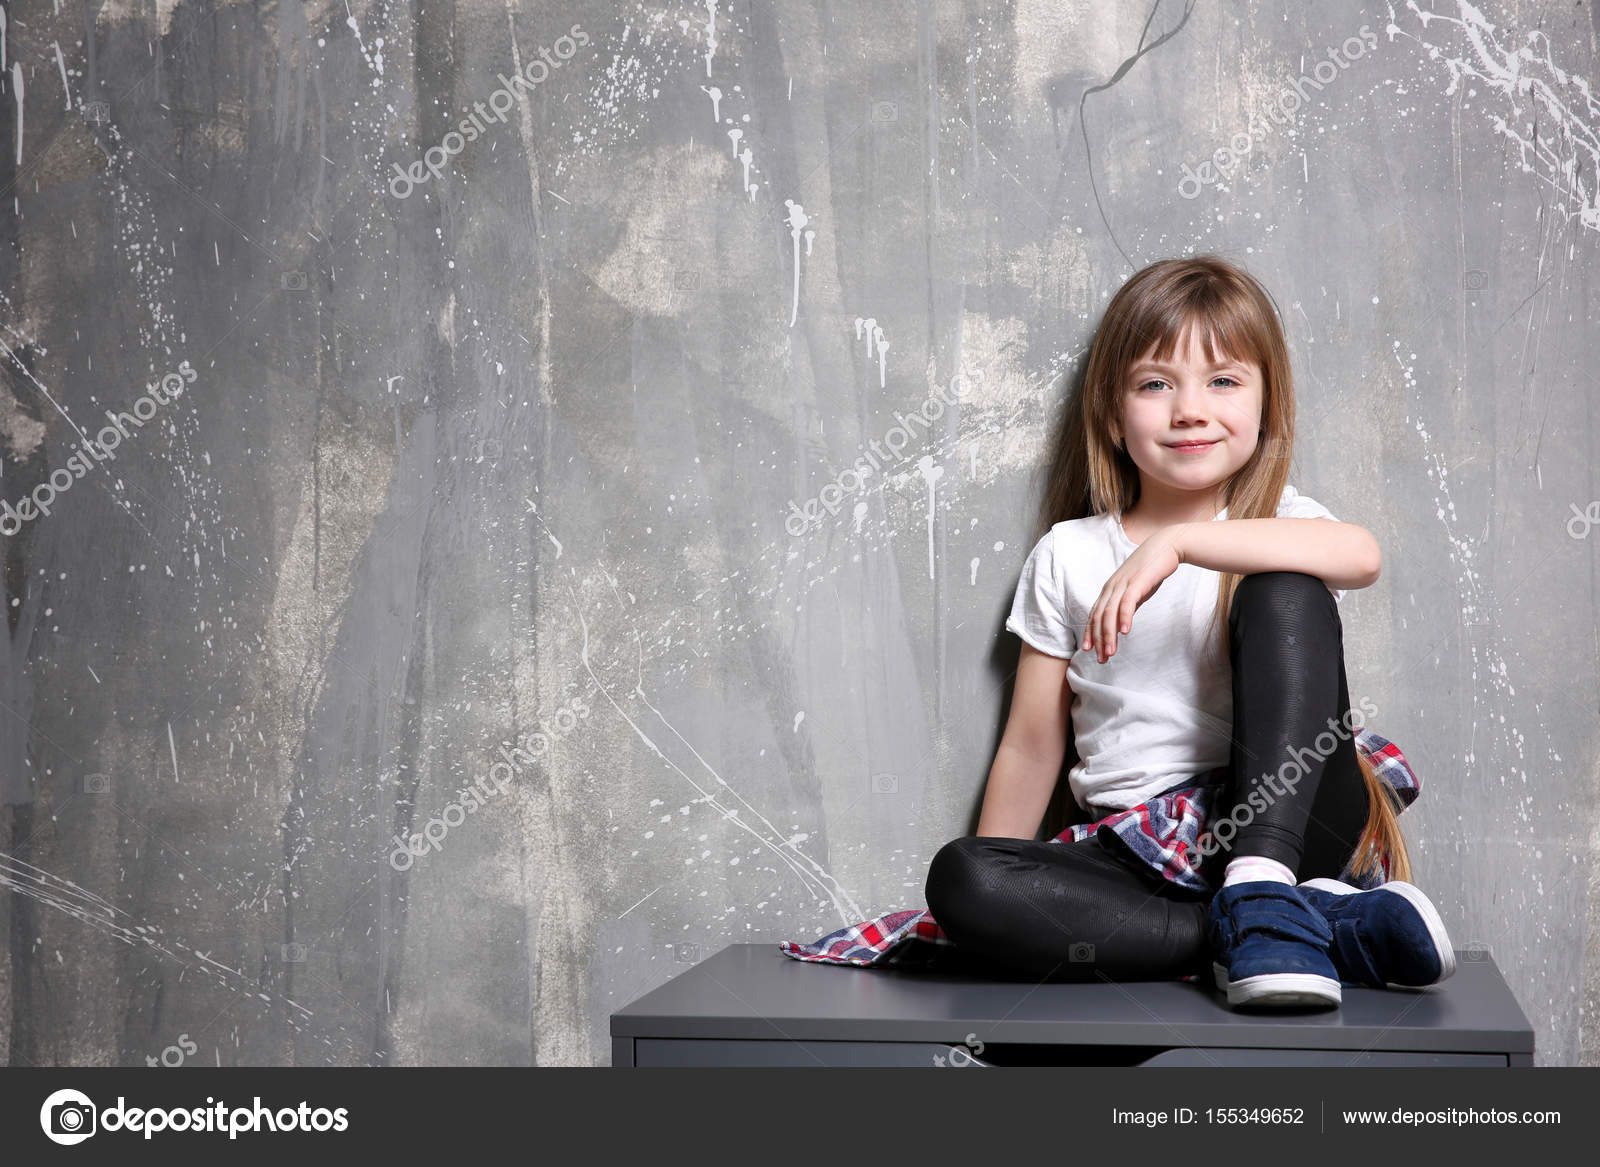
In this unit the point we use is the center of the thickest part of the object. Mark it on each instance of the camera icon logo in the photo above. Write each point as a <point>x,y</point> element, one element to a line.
<point>293,281</point>
<point>68,1117</point>
<point>1081,952</point>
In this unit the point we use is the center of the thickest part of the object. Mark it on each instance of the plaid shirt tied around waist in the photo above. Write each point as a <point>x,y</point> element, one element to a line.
<point>1164,833</point>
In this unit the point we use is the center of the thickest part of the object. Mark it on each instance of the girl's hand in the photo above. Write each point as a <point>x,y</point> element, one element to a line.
<point>1129,586</point>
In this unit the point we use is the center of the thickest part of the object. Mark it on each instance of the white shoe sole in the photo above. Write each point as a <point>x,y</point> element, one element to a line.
<point>1277,988</point>
<point>1425,908</point>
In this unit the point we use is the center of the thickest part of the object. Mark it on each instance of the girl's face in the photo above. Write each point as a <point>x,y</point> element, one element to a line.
<point>1189,425</point>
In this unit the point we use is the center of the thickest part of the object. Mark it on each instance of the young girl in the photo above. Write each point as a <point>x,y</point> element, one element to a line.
<point>1184,603</point>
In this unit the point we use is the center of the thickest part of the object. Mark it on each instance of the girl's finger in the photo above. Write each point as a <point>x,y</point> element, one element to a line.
<point>1109,616</point>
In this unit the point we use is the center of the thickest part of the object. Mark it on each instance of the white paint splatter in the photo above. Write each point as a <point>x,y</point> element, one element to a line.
<point>931,474</point>
<point>745,157</point>
<point>1565,156</point>
<point>548,534</point>
<point>16,95</point>
<point>23,879</point>
<point>62,65</point>
<point>783,847</point>
<point>376,61</point>
<point>874,335</point>
<point>711,33</point>
<point>797,220</point>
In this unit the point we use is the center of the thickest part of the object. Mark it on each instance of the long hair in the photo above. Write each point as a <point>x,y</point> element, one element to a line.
<point>1091,474</point>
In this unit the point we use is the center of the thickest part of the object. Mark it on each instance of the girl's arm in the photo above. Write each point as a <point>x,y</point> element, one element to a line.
<point>1028,761</point>
<point>1342,555</point>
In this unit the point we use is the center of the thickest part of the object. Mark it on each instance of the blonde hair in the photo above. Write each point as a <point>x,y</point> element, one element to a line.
<point>1091,474</point>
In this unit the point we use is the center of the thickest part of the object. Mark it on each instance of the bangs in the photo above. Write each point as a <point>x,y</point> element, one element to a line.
<point>1227,327</point>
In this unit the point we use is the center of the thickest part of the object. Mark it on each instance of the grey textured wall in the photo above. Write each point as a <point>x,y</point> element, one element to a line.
<point>509,448</point>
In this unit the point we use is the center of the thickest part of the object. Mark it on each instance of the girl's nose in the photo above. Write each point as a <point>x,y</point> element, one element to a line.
<point>1187,405</point>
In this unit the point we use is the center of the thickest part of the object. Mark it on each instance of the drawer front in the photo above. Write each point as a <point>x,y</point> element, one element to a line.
<point>664,1051</point>
<point>1187,1056</point>
<point>675,1051</point>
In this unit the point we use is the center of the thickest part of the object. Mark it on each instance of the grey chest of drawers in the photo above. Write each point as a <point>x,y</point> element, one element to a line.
<point>750,1005</point>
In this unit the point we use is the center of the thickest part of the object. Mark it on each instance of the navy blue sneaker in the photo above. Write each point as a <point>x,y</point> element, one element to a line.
<point>1390,937</point>
<point>1269,946</point>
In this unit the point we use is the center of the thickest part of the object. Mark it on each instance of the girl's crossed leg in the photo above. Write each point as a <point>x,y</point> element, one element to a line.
<point>1063,912</point>
<point>1076,912</point>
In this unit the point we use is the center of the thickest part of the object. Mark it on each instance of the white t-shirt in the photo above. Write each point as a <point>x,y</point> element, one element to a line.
<point>1161,709</point>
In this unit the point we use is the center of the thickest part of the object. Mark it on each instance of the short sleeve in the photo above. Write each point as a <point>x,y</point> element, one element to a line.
<point>1039,609</point>
<point>1294,505</point>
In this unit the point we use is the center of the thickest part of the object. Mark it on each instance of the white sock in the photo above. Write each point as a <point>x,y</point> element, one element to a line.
<point>1255,868</point>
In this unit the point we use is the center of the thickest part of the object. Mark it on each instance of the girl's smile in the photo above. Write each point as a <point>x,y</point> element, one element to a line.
<point>1193,447</point>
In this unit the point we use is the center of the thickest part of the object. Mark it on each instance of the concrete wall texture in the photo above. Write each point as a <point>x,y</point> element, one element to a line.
<point>460,458</point>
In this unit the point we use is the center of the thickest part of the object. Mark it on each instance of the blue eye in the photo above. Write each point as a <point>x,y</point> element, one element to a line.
<point>1214,380</point>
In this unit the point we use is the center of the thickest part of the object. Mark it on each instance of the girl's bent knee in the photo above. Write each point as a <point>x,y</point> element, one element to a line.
<point>1296,595</point>
<point>954,875</point>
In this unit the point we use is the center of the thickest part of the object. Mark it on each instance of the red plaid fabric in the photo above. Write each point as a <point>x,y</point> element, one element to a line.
<point>1163,832</point>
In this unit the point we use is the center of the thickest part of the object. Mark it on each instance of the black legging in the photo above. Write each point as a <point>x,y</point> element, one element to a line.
<point>1076,911</point>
